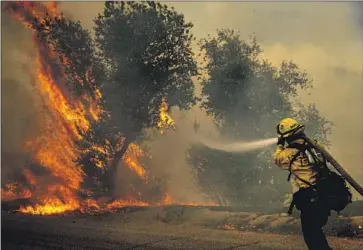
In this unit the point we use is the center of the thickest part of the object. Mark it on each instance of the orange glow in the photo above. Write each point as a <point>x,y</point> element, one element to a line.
<point>165,119</point>
<point>31,179</point>
<point>74,117</point>
<point>131,160</point>
<point>14,191</point>
<point>54,200</point>
<point>50,206</point>
<point>228,226</point>
<point>208,203</point>
<point>53,9</point>
<point>168,200</point>
<point>125,203</point>
<point>91,206</point>
<point>64,120</point>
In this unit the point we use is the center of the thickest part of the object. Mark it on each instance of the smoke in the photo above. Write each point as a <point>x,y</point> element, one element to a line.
<point>325,39</point>
<point>169,154</point>
<point>357,16</point>
<point>19,123</point>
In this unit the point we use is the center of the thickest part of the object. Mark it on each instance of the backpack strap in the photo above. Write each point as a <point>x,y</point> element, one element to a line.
<point>290,164</point>
<point>320,165</point>
<point>301,148</point>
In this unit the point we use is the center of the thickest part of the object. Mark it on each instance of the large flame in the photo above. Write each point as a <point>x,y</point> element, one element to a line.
<point>65,119</point>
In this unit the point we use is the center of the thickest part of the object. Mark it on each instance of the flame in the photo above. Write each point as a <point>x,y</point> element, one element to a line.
<point>65,119</point>
<point>131,159</point>
<point>52,205</point>
<point>228,226</point>
<point>27,11</point>
<point>124,203</point>
<point>92,206</point>
<point>166,121</point>
<point>14,191</point>
<point>167,199</point>
<point>74,117</point>
<point>55,199</point>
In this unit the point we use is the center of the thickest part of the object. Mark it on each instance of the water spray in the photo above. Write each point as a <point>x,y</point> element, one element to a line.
<point>238,147</point>
<point>259,144</point>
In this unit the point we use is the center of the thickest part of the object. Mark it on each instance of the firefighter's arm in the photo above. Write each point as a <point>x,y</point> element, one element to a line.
<point>282,157</point>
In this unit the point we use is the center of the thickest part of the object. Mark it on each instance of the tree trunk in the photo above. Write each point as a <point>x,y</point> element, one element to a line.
<point>115,162</point>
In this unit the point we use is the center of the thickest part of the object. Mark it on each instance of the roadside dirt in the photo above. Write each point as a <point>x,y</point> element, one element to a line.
<point>168,227</point>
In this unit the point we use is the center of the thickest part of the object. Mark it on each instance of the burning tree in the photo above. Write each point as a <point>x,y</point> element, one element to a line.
<point>66,115</point>
<point>247,97</point>
<point>147,49</point>
<point>96,104</point>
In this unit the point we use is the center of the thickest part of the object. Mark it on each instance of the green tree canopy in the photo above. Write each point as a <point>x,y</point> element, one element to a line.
<point>146,47</point>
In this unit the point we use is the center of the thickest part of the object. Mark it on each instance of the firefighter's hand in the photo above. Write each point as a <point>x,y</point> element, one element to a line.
<point>280,141</point>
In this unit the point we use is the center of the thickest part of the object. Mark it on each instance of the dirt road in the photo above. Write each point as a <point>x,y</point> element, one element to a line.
<point>138,230</point>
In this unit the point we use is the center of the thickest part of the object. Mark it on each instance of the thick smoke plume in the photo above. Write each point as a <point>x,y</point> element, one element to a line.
<point>19,102</point>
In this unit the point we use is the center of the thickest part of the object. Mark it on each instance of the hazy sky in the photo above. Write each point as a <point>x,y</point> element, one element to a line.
<point>325,39</point>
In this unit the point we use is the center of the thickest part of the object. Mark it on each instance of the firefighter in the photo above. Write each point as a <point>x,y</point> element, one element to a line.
<point>305,167</point>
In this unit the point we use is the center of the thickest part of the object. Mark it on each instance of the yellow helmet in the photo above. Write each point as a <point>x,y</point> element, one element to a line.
<point>288,127</point>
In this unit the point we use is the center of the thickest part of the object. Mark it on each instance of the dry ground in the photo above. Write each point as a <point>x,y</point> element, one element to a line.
<point>172,227</point>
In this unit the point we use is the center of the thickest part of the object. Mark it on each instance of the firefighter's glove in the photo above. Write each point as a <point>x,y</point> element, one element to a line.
<point>280,141</point>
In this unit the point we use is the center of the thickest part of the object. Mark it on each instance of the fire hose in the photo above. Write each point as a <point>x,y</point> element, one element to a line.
<point>337,166</point>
